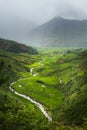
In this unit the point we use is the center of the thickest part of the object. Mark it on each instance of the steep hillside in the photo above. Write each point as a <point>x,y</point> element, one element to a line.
<point>61,32</point>
<point>74,86</point>
<point>15,47</point>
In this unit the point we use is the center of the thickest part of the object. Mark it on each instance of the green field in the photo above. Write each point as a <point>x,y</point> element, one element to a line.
<point>58,81</point>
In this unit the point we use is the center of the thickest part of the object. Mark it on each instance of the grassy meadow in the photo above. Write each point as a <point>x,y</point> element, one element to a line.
<point>58,81</point>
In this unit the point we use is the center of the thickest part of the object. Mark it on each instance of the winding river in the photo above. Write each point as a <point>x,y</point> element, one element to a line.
<point>39,105</point>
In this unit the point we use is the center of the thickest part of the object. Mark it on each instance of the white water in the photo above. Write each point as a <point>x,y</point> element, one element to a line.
<point>40,106</point>
<point>31,70</point>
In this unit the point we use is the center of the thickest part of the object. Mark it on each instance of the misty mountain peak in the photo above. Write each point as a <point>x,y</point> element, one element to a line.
<point>59,18</point>
<point>61,32</point>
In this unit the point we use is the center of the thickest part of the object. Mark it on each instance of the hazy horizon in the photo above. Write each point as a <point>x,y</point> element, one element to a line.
<point>19,17</point>
<point>41,11</point>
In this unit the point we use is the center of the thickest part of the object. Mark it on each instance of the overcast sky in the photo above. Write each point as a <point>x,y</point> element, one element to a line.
<point>40,11</point>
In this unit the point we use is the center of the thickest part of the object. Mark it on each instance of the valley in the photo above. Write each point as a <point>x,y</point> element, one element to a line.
<point>43,65</point>
<point>48,86</point>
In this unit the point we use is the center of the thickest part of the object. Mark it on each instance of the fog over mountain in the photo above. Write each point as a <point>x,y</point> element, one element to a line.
<point>60,32</point>
<point>19,17</point>
<point>16,28</point>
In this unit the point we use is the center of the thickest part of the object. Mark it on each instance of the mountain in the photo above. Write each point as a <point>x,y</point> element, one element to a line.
<point>15,47</point>
<point>61,32</point>
<point>15,28</point>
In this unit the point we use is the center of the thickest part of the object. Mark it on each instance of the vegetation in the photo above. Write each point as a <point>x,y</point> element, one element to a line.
<point>15,47</point>
<point>58,80</point>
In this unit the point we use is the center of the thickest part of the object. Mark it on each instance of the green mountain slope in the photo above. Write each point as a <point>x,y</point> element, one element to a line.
<point>15,47</point>
<point>74,109</point>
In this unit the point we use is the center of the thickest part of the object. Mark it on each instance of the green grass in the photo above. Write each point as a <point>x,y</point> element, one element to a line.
<point>60,84</point>
<point>47,95</point>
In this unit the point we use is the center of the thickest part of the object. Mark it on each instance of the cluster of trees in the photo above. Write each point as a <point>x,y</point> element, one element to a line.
<point>3,76</point>
<point>17,116</point>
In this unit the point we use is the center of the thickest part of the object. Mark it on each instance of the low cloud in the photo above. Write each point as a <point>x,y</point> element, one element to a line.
<point>41,11</point>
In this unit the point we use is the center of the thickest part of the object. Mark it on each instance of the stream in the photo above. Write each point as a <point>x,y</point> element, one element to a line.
<point>39,105</point>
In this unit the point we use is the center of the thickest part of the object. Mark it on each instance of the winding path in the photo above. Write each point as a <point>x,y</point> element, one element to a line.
<point>40,106</point>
